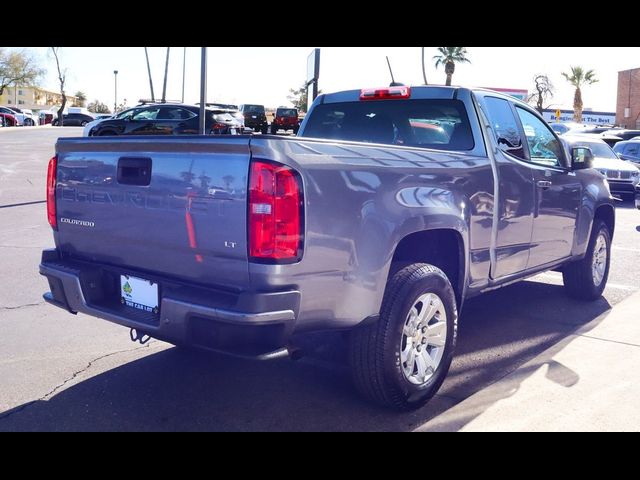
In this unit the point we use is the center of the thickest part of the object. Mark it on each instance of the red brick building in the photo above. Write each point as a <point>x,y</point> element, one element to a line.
<point>628,104</point>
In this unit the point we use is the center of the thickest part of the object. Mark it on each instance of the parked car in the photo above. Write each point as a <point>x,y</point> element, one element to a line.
<point>8,119</point>
<point>285,119</point>
<point>19,117</point>
<point>562,128</point>
<point>25,117</point>
<point>623,176</point>
<point>232,110</point>
<point>624,134</point>
<point>255,117</point>
<point>628,150</point>
<point>362,224</point>
<point>598,129</point>
<point>166,119</point>
<point>73,120</point>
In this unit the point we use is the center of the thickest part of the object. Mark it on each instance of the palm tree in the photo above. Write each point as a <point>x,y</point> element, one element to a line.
<point>579,78</point>
<point>448,57</point>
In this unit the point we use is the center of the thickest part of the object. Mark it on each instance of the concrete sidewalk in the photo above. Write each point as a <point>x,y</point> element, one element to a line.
<point>590,381</point>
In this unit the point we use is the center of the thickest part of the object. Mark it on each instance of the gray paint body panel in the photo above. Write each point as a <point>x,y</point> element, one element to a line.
<point>360,201</point>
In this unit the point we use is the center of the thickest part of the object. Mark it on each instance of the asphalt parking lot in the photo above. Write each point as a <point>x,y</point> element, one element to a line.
<point>62,372</point>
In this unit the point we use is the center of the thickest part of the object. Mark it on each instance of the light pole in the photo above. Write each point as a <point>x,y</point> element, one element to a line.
<point>115,95</point>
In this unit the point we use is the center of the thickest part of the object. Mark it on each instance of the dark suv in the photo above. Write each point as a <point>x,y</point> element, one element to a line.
<point>167,119</point>
<point>255,117</point>
<point>285,119</point>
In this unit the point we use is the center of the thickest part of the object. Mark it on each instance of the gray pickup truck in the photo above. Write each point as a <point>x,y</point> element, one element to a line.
<point>389,209</point>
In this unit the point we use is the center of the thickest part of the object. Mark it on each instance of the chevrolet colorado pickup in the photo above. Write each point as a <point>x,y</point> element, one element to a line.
<point>389,209</point>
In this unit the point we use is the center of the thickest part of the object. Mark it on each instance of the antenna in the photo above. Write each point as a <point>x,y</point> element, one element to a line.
<point>393,80</point>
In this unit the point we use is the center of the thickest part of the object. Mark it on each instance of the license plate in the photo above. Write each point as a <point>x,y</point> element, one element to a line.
<point>139,293</point>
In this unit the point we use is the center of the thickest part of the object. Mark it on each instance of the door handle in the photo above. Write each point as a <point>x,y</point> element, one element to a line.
<point>544,184</point>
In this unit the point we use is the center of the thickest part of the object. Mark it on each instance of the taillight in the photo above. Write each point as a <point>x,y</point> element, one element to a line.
<point>218,128</point>
<point>51,193</point>
<point>385,93</point>
<point>275,212</point>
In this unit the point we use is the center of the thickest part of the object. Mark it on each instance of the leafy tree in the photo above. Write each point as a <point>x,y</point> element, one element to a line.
<point>578,78</point>
<point>81,99</point>
<point>448,57</point>
<point>544,92</point>
<point>98,107</point>
<point>18,68</point>
<point>62,78</point>
<point>299,97</point>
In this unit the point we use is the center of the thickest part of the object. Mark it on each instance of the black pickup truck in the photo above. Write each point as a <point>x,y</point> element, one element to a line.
<point>389,210</point>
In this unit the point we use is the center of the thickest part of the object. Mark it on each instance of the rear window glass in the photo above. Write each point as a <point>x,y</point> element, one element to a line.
<point>286,112</point>
<point>254,108</point>
<point>438,124</point>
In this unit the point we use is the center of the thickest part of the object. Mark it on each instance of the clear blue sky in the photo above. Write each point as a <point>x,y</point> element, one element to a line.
<point>265,74</point>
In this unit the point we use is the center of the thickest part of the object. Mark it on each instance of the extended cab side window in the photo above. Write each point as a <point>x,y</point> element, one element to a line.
<point>544,148</point>
<point>505,127</point>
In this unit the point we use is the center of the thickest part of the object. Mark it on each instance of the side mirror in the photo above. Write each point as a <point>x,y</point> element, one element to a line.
<point>581,158</point>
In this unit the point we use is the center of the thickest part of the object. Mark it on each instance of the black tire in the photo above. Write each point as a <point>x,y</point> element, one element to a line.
<point>264,129</point>
<point>375,349</point>
<point>295,130</point>
<point>274,129</point>
<point>28,122</point>
<point>578,276</point>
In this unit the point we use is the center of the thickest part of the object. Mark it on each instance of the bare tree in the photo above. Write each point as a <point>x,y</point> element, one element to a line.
<point>544,92</point>
<point>62,78</point>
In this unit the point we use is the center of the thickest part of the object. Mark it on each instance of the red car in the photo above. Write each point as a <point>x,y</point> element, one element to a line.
<point>285,119</point>
<point>8,120</point>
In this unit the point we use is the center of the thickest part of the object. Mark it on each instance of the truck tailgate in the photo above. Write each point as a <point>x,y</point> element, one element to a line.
<point>164,205</point>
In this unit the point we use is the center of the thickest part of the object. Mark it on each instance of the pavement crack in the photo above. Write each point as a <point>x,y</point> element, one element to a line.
<point>52,392</point>
<point>607,340</point>
<point>22,306</point>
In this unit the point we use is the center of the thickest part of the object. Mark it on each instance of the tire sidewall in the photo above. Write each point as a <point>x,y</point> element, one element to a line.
<point>599,228</point>
<point>433,283</point>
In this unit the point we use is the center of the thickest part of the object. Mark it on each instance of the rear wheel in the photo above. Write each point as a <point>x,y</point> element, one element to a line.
<point>264,129</point>
<point>274,129</point>
<point>28,122</point>
<point>586,279</point>
<point>401,360</point>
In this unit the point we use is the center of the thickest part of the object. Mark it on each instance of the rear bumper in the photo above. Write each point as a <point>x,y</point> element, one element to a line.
<point>255,123</point>
<point>251,324</point>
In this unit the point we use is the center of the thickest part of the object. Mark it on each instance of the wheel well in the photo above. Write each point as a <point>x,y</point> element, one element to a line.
<point>441,248</point>
<point>607,215</point>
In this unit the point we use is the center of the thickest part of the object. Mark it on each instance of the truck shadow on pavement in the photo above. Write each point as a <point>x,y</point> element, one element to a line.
<point>178,390</point>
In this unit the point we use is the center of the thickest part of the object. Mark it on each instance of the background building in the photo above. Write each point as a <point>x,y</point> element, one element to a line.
<point>33,98</point>
<point>628,105</point>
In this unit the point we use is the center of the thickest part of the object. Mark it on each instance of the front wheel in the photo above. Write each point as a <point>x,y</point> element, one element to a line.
<point>28,122</point>
<point>587,278</point>
<point>401,360</point>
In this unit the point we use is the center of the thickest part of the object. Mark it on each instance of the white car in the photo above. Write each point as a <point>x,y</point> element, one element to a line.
<point>25,117</point>
<point>623,176</point>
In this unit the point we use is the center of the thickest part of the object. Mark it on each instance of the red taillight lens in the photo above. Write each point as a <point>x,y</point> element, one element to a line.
<point>275,212</point>
<point>51,193</point>
<point>385,93</point>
